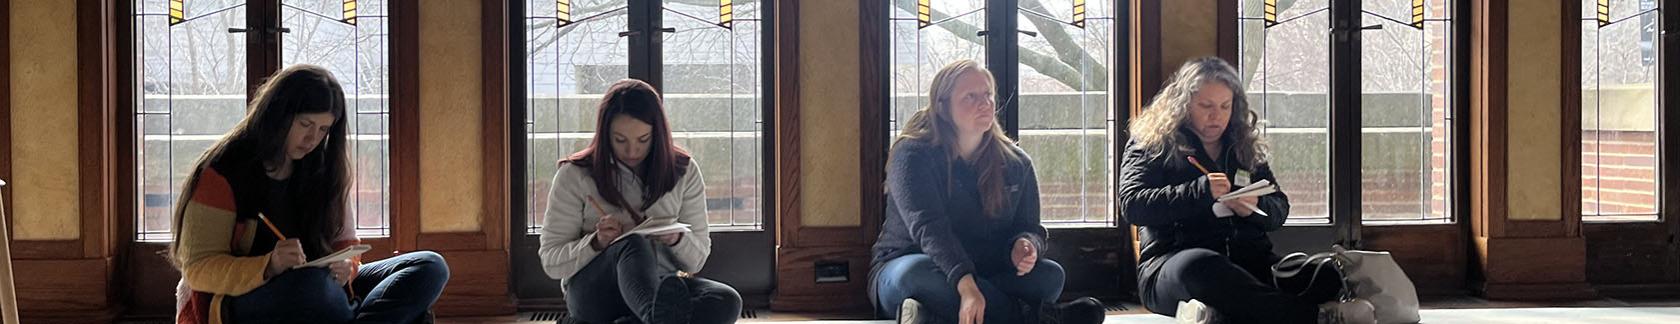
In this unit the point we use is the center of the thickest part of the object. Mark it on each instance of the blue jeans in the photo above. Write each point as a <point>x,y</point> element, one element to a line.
<point>916,276</point>
<point>396,290</point>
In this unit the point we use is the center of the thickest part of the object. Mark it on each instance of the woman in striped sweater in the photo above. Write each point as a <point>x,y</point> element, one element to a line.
<point>287,160</point>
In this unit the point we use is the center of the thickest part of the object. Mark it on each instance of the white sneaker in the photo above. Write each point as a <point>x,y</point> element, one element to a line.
<point>910,312</point>
<point>1194,312</point>
<point>1357,311</point>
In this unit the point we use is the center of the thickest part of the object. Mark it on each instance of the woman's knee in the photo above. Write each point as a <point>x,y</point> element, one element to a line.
<point>314,292</point>
<point>1200,258</point>
<point>715,295</point>
<point>1198,271</point>
<point>912,273</point>
<point>429,264</point>
<point>633,241</point>
<point>1045,282</point>
<point>717,304</point>
<point>1049,271</point>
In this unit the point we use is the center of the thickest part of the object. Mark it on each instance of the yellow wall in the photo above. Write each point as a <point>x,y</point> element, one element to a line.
<point>451,130</point>
<point>1189,29</point>
<point>828,113</point>
<point>43,84</point>
<point>1534,143</point>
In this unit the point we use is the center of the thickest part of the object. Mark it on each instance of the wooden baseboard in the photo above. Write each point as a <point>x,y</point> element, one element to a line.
<point>108,315</point>
<point>1544,268</point>
<point>49,288</point>
<point>1552,260</point>
<point>478,285</point>
<point>798,291</point>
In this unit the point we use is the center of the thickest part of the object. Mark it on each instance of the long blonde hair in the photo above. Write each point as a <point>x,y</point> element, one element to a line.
<point>1157,128</point>
<point>932,124</point>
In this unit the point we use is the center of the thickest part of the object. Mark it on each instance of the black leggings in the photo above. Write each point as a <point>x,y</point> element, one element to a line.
<point>627,280</point>
<point>1234,290</point>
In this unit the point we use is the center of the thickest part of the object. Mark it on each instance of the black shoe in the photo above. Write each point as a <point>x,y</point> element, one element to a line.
<point>1085,310</point>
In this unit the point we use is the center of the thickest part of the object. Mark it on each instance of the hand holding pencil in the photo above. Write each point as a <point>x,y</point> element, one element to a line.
<point>286,254</point>
<point>607,229</point>
<point>1218,183</point>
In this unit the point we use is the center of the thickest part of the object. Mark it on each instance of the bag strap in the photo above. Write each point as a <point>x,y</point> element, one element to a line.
<point>1292,264</point>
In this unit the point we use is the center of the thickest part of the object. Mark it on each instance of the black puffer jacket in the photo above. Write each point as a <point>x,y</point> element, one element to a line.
<point>1168,199</point>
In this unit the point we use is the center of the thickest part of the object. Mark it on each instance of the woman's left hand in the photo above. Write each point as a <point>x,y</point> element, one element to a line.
<point>1240,205</point>
<point>668,239</point>
<point>1025,255</point>
<point>341,272</point>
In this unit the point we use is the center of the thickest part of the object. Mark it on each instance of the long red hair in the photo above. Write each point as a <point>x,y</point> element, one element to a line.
<point>665,162</point>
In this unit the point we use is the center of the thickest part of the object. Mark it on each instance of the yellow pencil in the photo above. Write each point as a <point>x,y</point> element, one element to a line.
<point>1198,165</point>
<point>271,227</point>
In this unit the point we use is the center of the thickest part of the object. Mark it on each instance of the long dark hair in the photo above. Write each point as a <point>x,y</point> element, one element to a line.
<point>659,171</point>
<point>320,181</point>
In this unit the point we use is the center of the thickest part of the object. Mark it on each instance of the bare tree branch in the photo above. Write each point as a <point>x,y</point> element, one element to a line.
<point>1251,63</point>
<point>1044,64</point>
<point>1068,50</point>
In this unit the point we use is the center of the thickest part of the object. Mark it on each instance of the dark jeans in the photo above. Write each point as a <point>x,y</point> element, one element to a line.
<point>916,276</point>
<point>396,290</point>
<point>627,280</point>
<point>1234,290</point>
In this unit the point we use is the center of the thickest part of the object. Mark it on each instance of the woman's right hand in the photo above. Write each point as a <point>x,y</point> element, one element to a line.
<point>287,253</point>
<point>606,231</point>
<point>973,309</point>
<point>1218,184</point>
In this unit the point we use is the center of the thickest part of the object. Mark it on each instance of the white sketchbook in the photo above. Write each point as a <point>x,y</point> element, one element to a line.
<point>1260,188</point>
<point>340,256</point>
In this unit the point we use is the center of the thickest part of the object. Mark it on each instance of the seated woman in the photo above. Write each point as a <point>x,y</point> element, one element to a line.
<point>287,161</point>
<point>962,237</point>
<point>1194,259</point>
<point>632,176</point>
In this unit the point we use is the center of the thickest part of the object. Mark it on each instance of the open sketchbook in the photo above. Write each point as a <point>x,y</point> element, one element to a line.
<point>658,230</point>
<point>1259,188</point>
<point>341,255</point>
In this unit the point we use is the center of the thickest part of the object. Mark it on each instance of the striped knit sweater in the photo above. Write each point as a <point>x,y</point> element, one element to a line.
<point>213,250</point>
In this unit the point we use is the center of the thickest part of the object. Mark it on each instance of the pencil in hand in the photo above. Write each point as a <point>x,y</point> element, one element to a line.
<point>271,227</point>
<point>597,206</point>
<point>1197,164</point>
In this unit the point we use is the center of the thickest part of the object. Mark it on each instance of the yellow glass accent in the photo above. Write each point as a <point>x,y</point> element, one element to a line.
<point>1603,13</point>
<point>924,13</point>
<point>350,12</point>
<point>1270,15</point>
<point>177,11</point>
<point>563,11</point>
<point>726,13</point>
<point>1079,13</point>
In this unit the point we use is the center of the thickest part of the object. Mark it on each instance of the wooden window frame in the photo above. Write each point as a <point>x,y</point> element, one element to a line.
<point>1619,253</point>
